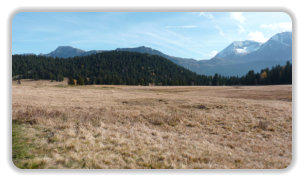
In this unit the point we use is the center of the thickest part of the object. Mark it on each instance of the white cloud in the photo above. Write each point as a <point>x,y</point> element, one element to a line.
<point>183,27</point>
<point>238,16</point>
<point>241,29</point>
<point>257,36</point>
<point>283,26</point>
<point>207,15</point>
<point>212,53</point>
<point>220,30</point>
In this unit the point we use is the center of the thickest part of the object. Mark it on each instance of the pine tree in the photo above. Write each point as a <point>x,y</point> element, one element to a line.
<point>80,80</point>
<point>71,81</point>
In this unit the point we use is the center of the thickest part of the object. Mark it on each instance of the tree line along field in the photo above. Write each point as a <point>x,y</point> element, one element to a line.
<point>55,125</point>
<point>130,68</point>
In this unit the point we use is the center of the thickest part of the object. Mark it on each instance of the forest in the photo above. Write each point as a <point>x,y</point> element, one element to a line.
<point>130,68</point>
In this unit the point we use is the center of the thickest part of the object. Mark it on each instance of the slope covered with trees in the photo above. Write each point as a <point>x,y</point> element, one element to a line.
<point>130,68</point>
<point>105,68</point>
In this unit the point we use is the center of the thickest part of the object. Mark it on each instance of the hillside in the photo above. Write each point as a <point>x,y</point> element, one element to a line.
<point>185,62</point>
<point>130,68</point>
<point>111,67</point>
<point>69,51</point>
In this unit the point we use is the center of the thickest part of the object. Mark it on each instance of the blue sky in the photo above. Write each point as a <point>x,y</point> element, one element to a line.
<point>198,35</point>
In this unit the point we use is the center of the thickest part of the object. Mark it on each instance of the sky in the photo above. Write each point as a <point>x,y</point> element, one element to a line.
<point>198,35</point>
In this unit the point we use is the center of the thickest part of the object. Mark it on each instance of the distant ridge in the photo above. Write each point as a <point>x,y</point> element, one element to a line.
<point>236,59</point>
<point>69,51</point>
<point>276,51</point>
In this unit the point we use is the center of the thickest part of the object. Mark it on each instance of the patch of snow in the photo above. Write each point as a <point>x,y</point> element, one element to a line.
<point>239,48</point>
<point>283,38</point>
<point>240,51</point>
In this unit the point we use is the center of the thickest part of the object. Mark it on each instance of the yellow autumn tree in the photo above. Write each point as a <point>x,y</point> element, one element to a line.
<point>264,75</point>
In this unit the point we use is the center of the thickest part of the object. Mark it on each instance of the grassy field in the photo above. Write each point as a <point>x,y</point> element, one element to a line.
<point>59,126</point>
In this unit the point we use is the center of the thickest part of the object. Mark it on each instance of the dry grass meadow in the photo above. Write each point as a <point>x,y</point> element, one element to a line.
<point>59,126</point>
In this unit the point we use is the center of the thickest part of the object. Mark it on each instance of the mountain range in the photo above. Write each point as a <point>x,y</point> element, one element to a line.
<point>236,59</point>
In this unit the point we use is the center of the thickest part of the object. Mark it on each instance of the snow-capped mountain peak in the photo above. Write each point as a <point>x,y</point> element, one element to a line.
<point>239,48</point>
<point>283,38</point>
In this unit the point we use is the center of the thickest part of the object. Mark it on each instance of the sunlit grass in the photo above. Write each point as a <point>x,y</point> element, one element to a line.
<point>150,127</point>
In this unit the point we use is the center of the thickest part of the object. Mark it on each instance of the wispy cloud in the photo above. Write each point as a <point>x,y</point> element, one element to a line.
<point>78,42</point>
<point>257,36</point>
<point>283,26</point>
<point>238,16</point>
<point>182,27</point>
<point>161,36</point>
<point>169,42</point>
<point>172,33</point>
<point>241,29</point>
<point>43,29</point>
<point>220,30</point>
<point>207,15</point>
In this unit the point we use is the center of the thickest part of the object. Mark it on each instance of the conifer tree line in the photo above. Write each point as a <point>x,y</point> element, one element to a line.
<point>130,68</point>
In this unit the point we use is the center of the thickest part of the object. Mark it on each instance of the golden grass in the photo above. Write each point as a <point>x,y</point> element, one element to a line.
<point>153,127</point>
